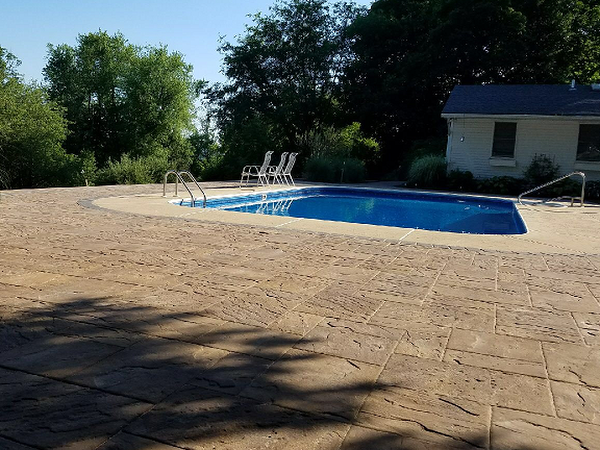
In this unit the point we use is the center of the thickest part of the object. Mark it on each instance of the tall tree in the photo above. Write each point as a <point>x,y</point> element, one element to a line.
<point>282,75</point>
<point>32,130</point>
<point>409,54</point>
<point>122,99</point>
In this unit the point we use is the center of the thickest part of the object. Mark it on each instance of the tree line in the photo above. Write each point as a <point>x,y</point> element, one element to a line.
<point>343,85</point>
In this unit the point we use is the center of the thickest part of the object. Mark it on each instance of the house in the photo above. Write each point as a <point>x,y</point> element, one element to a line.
<point>497,129</point>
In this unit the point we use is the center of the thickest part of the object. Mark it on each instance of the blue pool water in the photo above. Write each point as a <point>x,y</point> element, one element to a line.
<point>459,214</point>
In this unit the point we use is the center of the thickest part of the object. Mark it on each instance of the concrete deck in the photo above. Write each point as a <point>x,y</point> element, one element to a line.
<point>136,325</point>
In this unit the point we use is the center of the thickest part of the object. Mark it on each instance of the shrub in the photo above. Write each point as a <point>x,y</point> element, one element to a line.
<point>392,175</point>
<point>82,169</point>
<point>540,170</point>
<point>568,187</point>
<point>423,147</point>
<point>148,169</point>
<point>457,180</point>
<point>215,168</point>
<point>592,191</point>
<point>503,185</point>
<point>320,168</point>
<point>332,169</point>
<point>348,145</point>
<point>353,171</point>
<point>427,172</point>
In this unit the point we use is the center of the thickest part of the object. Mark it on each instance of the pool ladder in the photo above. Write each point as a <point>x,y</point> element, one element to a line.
<point>564,177</point>
<point>179,178</point>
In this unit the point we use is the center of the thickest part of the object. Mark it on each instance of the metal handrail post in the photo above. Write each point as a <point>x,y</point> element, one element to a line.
<point>170,172</point>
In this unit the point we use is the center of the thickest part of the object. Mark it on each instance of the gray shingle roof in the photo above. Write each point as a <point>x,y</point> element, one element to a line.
<point>539,99</point>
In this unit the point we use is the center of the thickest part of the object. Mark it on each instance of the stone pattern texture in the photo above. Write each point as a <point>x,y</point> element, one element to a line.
<point>120,331</point>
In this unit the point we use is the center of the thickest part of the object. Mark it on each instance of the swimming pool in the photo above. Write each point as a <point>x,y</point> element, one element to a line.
<point>438,212</point>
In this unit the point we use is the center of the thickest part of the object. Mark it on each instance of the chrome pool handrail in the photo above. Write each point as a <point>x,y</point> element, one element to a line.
<point>192,178</point>
<point>564,177</point>
<point>178,178</point>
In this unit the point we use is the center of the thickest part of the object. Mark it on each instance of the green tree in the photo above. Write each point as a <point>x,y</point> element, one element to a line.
<point>283,77</point>
<point>409,54</point>
<point>208,157</point>
<point>122,99</point>
<point>339,155</point>
<point>32,130</point>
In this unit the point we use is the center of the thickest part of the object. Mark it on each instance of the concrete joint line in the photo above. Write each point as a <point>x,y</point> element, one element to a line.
<point>406,235</point>
<point>287,223</point>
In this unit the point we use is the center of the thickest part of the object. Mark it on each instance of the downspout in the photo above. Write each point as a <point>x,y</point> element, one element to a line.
<point>449,143</point>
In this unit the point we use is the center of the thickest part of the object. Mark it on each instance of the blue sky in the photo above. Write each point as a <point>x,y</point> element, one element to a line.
<point>191,27</point>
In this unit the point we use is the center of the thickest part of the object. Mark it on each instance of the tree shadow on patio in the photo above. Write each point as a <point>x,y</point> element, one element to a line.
<point>74,373</point>
<point>103,373</point>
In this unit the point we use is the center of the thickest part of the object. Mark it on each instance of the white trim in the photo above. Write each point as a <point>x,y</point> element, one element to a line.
<point>509,117</point>
<point>449,139</point>
<point>593,166</point>
<point>503,162</point>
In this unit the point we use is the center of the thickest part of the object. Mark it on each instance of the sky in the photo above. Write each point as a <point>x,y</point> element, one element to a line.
<point>191,27</point>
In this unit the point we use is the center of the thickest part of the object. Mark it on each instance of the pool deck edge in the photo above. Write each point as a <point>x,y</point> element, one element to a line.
<point>561,230</point>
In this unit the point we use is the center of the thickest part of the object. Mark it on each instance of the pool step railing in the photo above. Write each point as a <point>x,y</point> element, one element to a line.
<point>179,177</point>
<point>549,183</point>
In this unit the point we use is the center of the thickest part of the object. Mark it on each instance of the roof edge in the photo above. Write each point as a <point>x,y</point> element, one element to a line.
<point>520,116</point>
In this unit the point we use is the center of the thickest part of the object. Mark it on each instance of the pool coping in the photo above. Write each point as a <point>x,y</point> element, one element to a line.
<point>549,229</point>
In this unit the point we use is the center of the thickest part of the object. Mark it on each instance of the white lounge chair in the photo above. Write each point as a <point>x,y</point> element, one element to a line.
<point>274,172</point>
<point>259,172</point>
<point>287,172</point>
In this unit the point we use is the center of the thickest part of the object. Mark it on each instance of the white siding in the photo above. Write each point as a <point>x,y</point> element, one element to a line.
<point>555,138</point>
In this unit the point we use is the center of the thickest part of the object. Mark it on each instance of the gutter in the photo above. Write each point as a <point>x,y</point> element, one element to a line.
<point>449,116</point>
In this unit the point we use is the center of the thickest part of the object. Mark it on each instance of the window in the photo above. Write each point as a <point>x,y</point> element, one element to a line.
<point>588,146</point>
<point>504,140</point>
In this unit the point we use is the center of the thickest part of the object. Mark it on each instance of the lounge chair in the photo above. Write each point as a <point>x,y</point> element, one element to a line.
<point>287,172</point>
<point>259,172</point>
<point>274,172</point>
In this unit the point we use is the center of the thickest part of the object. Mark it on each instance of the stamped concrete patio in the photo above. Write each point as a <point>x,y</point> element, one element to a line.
<point>153,332</point>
